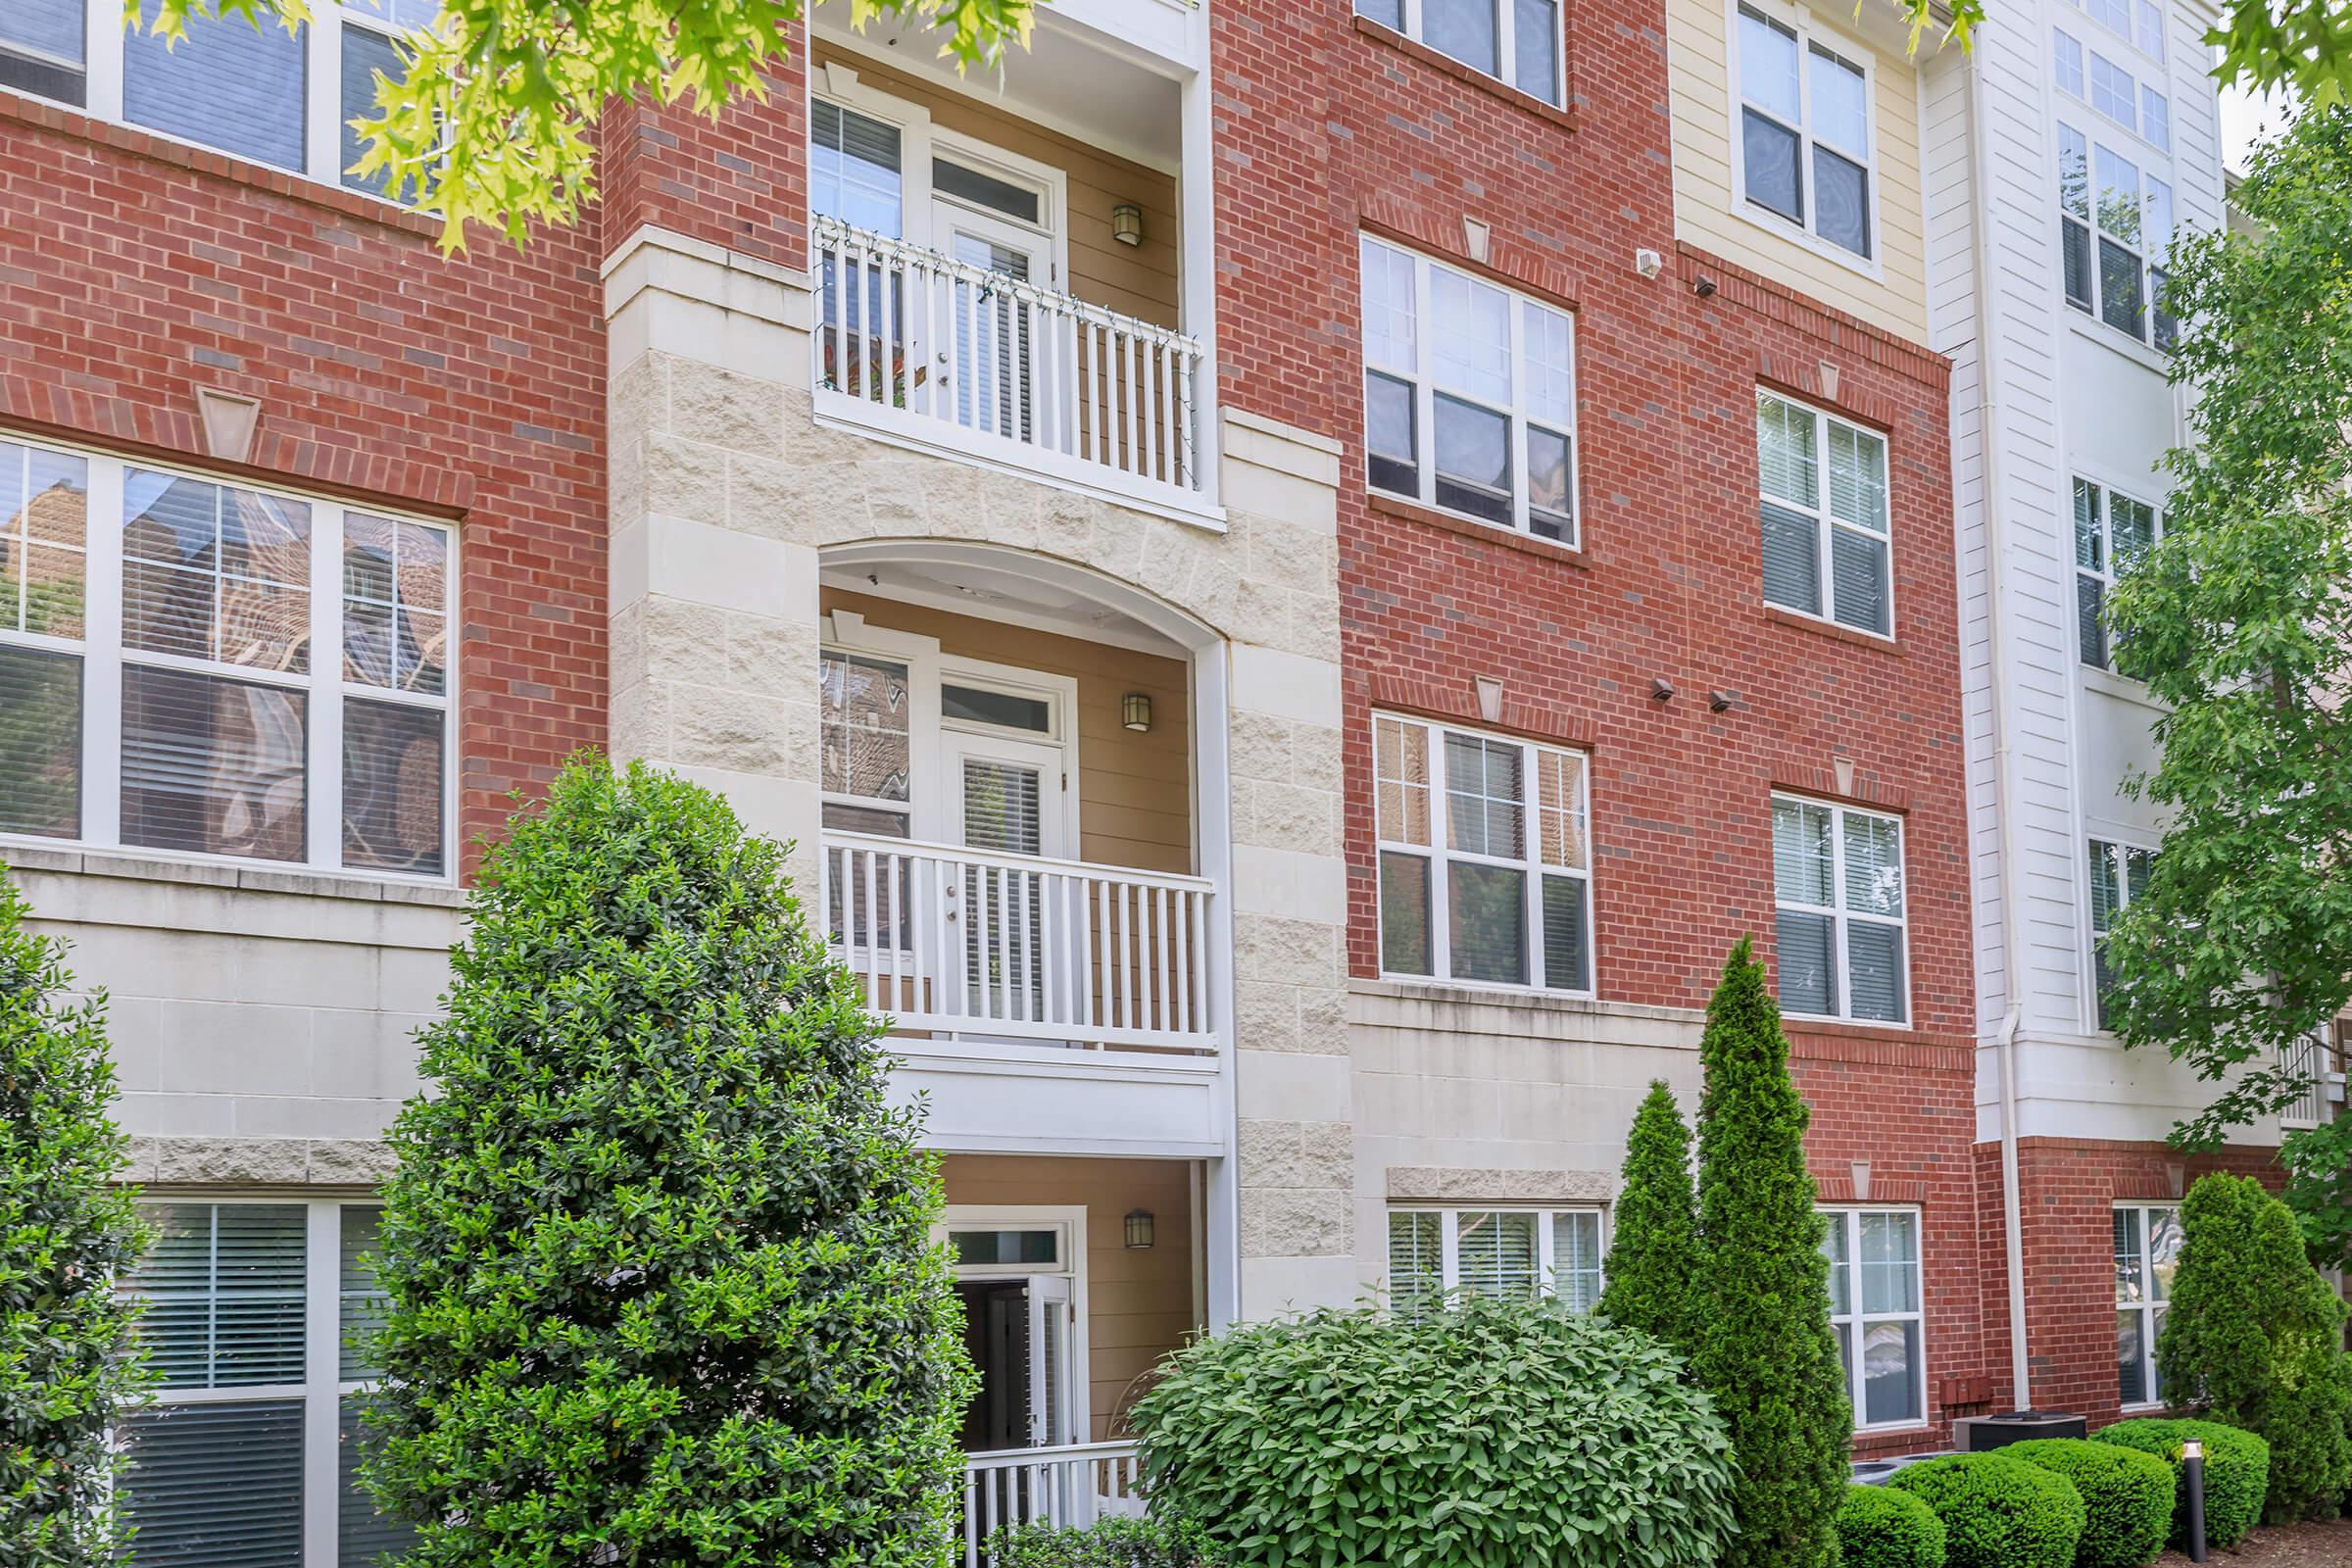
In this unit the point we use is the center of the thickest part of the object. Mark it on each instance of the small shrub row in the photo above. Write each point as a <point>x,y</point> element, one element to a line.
<point>2237,1469</point>
<point>2126,1498</point>
<point>1997,1511</point>
<point>1879,1527</point>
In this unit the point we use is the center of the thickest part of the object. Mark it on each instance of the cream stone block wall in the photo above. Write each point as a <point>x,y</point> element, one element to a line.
<point>261,1021</point>
<point>726,493</point>
<point>1469,1099</point>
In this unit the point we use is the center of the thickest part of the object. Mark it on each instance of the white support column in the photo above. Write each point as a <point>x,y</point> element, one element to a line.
<point>1197,261</point>
<point>1212,814</point>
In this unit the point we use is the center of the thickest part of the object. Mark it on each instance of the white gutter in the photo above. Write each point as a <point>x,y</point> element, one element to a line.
<point>2021,1381</point>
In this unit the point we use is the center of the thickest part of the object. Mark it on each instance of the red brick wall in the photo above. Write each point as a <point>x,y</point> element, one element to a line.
<point>2068,1190</point>
<point>134,271</point>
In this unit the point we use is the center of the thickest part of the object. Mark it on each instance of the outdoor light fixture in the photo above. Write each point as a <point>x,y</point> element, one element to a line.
<point>1139,1230</point>
<point>1135,712</point>
<point>1127,224</point>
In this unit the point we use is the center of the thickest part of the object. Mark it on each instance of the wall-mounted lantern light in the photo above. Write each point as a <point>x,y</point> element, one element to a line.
<point>1139,1230</point>
<point>1135,711</point>
<point>1127,224</point>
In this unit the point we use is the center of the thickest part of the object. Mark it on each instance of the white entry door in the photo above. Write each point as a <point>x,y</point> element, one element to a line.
<point>1009,797</point>
<point>997,339</point>
<point>1053,1403</point>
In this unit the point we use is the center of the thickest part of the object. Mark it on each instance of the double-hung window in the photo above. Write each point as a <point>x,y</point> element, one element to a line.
<point>1837,888</point>
<point>1469,395</point>
<point>1804,131</point>
<point>2119,874</point>
<point>210,670</point>
<point>1522,1252</point>
<point>1485,857</point>
<point>1827,551</point>
<point>1517,42</point>
<point>2116,223</point>
<point>2147,1251</point>
<point>1875,1309</point>
<point>257,1326</point>
<point>2112,531</point>
<point>226,84</point>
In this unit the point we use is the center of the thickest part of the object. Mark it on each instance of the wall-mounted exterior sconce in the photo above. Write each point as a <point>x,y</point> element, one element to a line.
<point>1135,711</point>
<point>1139,1230</point>
<point>1127,224</point>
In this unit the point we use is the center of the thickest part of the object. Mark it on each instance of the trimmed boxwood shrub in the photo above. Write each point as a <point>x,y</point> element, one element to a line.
<point>2237,1472</point>
<point>657,1249</point>
<point>1879,1527</point>
<point>2126,1498</point>
<point>1493,1434</point>
<point>1998,1512</point>
<point>1154,1541</point>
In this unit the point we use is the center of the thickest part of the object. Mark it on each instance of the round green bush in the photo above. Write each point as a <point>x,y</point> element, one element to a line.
<point>2237,1472</point>
<point>2126,1498</point>
<point>1491,1432</point>
<point>1998,1512</point>
<point>1879,1527</point>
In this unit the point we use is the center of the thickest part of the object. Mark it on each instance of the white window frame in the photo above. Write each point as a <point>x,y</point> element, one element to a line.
<point>2120,854</point>
<point>1506,45</point>
<point>1855,1319</point>
<point>1547,1242</point>
<point>104,46</point>
<point>848,634</point>
<point>2150,1311</point>
<point>325,688</point>
<point>2135,34</point>
<point>1839,47</point>
<point>2105,572</point>
<point>1437,854</point>
<point>324,1387</point>
<point>1828,522</point>
<point>1070,1221</point>
<point>922,139</point>
<point>1422,377</point>
<point>1841,917</point>
<point>2153,166</point>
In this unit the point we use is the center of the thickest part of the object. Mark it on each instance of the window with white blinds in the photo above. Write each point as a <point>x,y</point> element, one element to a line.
<point>2119,874</point>
<point>162,684</point>
<point>2112,531</point>
<point>1826,550</point>
<point>1485,857</point>
<point>1839,917</point>
<point>1435,1253</point>
<point>257,1324</point>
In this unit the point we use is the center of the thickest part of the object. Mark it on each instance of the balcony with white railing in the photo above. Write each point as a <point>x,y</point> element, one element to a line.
<point>951,355</point>
<point>1067,1487</point>
<point>1008,954</point>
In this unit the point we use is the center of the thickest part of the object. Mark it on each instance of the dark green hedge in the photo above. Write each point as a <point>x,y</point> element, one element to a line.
<point>2237,1472</point>
<point>1495,1433</point>
<point>2126,1498</point>
<point>1998,1512</point>
<point>1879,1527</point>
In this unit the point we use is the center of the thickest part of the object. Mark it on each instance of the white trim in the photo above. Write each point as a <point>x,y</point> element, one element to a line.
<point>1827,523</point>
<point>2105,572</point>
<point>1070,1220</point>
<point>1856,1319</point>
<point>1839,47</point>
<point>2149,1310</point>
<point>324,686</point>
<point>1547,1242</point>
<point>1839,916</point>
<point>1438,853</point>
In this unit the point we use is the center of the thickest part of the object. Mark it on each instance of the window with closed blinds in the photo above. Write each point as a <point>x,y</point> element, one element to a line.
<point>1437,1253</point>
<point>1823,507</point>
<point>1484,857</point>
<point>2112,531</point>
<point>1838,916</point>
<point>162,680</point>
<point>2119,874</point>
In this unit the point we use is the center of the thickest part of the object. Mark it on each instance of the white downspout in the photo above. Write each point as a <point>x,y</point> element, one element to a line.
<point>2013,1246</point>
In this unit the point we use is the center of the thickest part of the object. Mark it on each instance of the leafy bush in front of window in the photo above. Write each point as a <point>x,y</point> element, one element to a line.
<point>2254,1339</point>
<point>2237,1469</point>
<point>1154,1541</point>
<point>1653,1257</point>
<point>1498,1433</point>
<point>1767,1357</point>
<point>1879,1527</point>
<point>67,1356</point>
<point>657,1253</point>
<point>2127,1497</point>
<point>1998,1512</point>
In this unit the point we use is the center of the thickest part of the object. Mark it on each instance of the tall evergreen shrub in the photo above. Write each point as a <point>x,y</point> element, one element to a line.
<point>68,1358</point>
<point>1653,1266</point>
<point>2254,1339</point>
<point>657,1249</point>
<point>1767,1358</point>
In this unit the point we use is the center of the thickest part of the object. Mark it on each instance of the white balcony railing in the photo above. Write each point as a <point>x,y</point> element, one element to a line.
<point>977,361</point>
<point>1068,1488</point>
<point>1019,950</point>
<point>2308,1058</point>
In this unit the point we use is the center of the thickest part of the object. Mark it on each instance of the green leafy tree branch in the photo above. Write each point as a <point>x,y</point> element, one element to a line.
<point>2239,950</point>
